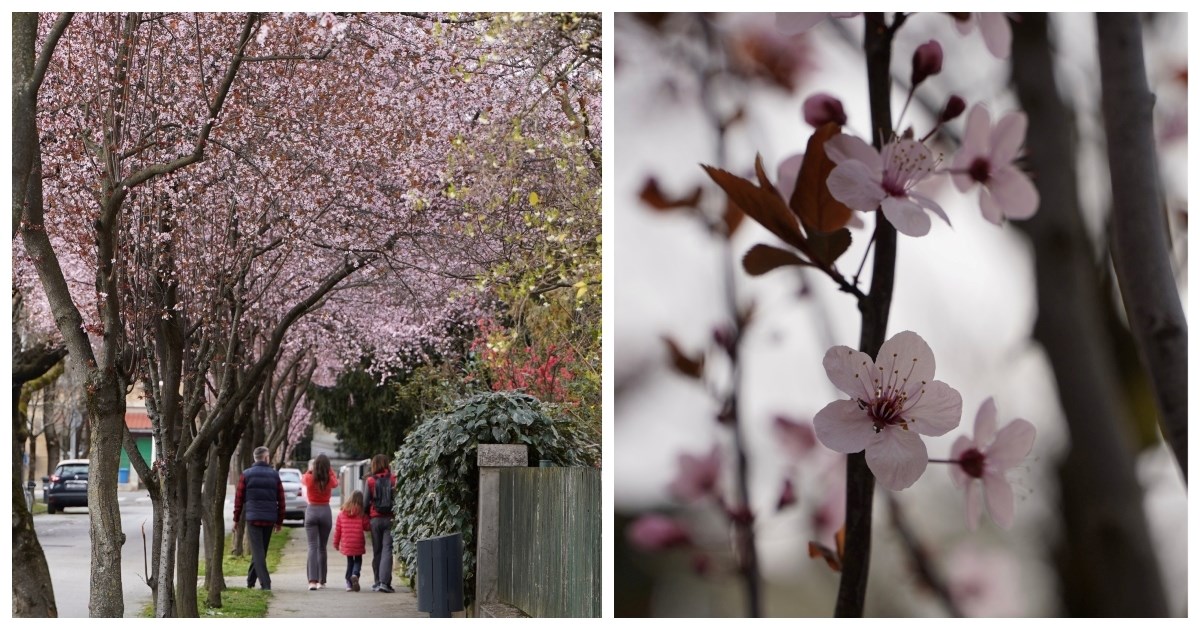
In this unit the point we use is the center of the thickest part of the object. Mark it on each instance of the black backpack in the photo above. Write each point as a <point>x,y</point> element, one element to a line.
<point>381,498</point>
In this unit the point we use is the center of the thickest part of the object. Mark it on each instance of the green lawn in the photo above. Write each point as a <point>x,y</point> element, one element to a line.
<point>240,601</point>
<point>39,508</point>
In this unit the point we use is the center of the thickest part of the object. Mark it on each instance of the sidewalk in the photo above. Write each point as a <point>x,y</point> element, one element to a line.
<point>291,597</point>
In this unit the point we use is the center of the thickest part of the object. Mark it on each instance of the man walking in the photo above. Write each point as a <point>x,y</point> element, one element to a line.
<point>381,488</point>
<point>260,492</point>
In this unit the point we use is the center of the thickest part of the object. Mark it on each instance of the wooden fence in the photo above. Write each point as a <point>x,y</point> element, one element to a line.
<point>549,547</point>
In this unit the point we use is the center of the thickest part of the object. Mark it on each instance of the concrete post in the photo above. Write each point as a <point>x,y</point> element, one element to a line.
<point>491,458</point>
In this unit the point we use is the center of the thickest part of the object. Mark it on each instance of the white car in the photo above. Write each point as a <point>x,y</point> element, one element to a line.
<point>293,491</point>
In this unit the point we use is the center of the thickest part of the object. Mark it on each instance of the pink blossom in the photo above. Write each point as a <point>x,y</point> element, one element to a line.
<point>986,158</point>
<point>865,180</point>
<point>894,400</point>
<point>697,476</point>
<point>654,532</point>
<point>987,457</point>
<point>997,34</point>
<point>796,23</point>
<point>926,62</point>
<point>797,438</point>
<point>985,583</point>
<point>954,108</point>
<point>821,108</point>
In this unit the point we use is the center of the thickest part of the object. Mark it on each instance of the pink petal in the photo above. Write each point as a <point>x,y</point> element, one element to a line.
<point>936,411</point>
<point>897,457</point>
<point>843,147</point>
<point>965,26</point>
<point>975,136</point>
<point>991,210</point>
<point>962,181</point>
<point>821,108</point>
<point>985,421</point>
<point>1007,138</point>
<point>1011,445</point>
<point>961,445</point>
<point>854,184</point>
<point>850,371</point>
<point>997,34</point>
<point>906,215</point>
<point>697,475</point>
<point>787,174</point>
<point>1014,194</point>
<point>999,499</point>
<point>797,438</point>
<point>796,23</point>
<point>974,505</point>
<point>654,532</point>
<point>929,204</point>
<point>843,427</point>
<point>905,363</point>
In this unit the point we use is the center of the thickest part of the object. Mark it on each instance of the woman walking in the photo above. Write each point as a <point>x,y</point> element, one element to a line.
<point>319,482</point>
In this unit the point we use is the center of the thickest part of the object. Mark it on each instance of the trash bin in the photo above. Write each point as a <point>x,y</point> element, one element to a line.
<point>439,575</point>
<point>122,475</point>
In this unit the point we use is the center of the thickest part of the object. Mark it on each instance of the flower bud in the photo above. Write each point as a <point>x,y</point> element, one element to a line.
<point>927,61</point>
<point>954,108</point>
<point>821,108</point>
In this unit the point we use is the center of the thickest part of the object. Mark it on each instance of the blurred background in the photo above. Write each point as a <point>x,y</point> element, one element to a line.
<point>1030,313</point>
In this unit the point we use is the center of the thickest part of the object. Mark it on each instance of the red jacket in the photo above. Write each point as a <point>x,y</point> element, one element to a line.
<point>348,536</point>
<point>313,493</point>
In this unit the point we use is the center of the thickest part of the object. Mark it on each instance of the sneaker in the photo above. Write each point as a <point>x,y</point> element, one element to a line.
<point>321,585</point>
<point>385,588</point>
<point>312,586</point>
<point>374,588</point>
<point>354,583</point>
<point>349,586</point>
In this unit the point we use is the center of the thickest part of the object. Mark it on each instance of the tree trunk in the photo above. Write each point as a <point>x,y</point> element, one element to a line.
<point>108,415</point>
<point>166,540</point>
<point>187,567</point>
<point>1108,566</point>
<point>33,594</point>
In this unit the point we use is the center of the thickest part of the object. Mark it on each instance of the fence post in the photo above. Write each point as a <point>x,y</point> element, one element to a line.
<point>491,458</point>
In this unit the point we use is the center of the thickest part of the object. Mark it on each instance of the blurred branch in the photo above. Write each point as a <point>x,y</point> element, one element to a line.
<point>1108,566</point>
<point>1140,241</point>
<point>920,559</point>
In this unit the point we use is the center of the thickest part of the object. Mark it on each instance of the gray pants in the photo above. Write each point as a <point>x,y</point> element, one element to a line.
<point>260,541</point>
<point>318,522</point>
<point>381,546</point>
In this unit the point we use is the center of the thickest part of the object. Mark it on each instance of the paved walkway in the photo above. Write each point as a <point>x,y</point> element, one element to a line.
<point>291,597</point>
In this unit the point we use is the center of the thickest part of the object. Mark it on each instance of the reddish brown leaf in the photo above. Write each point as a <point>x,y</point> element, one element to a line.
<point>817,550</point>
<point>764,205</point>
<point>811,200</point>
<point>654,197</point>
<point>763,258</point>
<point>733,217</point>
<point>829,246</point>
<point>684,364</point>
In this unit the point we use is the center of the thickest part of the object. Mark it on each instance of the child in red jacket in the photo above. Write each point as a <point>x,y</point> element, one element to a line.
<point>348,537</point>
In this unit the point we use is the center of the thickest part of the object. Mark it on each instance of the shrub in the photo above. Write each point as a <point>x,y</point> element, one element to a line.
<point>437,482</point>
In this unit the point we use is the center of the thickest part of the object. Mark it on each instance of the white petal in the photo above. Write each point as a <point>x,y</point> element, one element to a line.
<point>1011,445</point>
<point>962,181</point>
<point>853,184</point>
<point>975,136</point>
<point>897,457</point>
<point>1007,138</point>
<point>851,371</point>
<point>905,363</point>
<point>961,445</point>
<point>795,23</point>
<point>843,427</point>
<point>906,215</point>
<point>937,410</point>
<point>991,210</point>
<point>844,147</point>
<point>997,34</point>
<point>974,505</point>
<point>1014,194</point>
<point>929,204</point>
<point>985,422</point>
<point>999,499</point>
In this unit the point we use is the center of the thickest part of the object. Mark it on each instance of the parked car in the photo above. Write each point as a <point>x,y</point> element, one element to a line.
<point>67,487</point>
<point>293,490</point>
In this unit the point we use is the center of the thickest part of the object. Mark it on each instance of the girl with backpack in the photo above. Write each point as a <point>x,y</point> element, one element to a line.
<point>319,482</point>
<point>348,537</point>
<point>381,487</point>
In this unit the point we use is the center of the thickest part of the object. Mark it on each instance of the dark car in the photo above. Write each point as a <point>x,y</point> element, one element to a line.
<point>67,487</point>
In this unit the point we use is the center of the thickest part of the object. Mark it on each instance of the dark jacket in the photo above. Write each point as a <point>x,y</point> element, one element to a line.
<point>370,494</point>
<point>260,496</point>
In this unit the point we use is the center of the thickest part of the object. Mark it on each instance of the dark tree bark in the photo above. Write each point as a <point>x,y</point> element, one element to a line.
<point>1108,565</point>
<point>1139,227</point>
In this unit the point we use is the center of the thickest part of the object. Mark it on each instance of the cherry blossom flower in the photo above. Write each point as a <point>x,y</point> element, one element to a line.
<point>926,62</point>
<point>986,158</point>
<point>697,477</point>
<point>821,108</point>
<point>865,180</point>
<point>894,401</point>
<point>987,457</point>
<point>796,23</point>
<point>997,34</point>
<point>654,532</point>
<point>796,438</point>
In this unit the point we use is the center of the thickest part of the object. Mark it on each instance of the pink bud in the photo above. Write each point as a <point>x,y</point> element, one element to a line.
<point>821,108</point>
<point>654,532</point>
<point>927,61</point>
<point>954,108</point>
